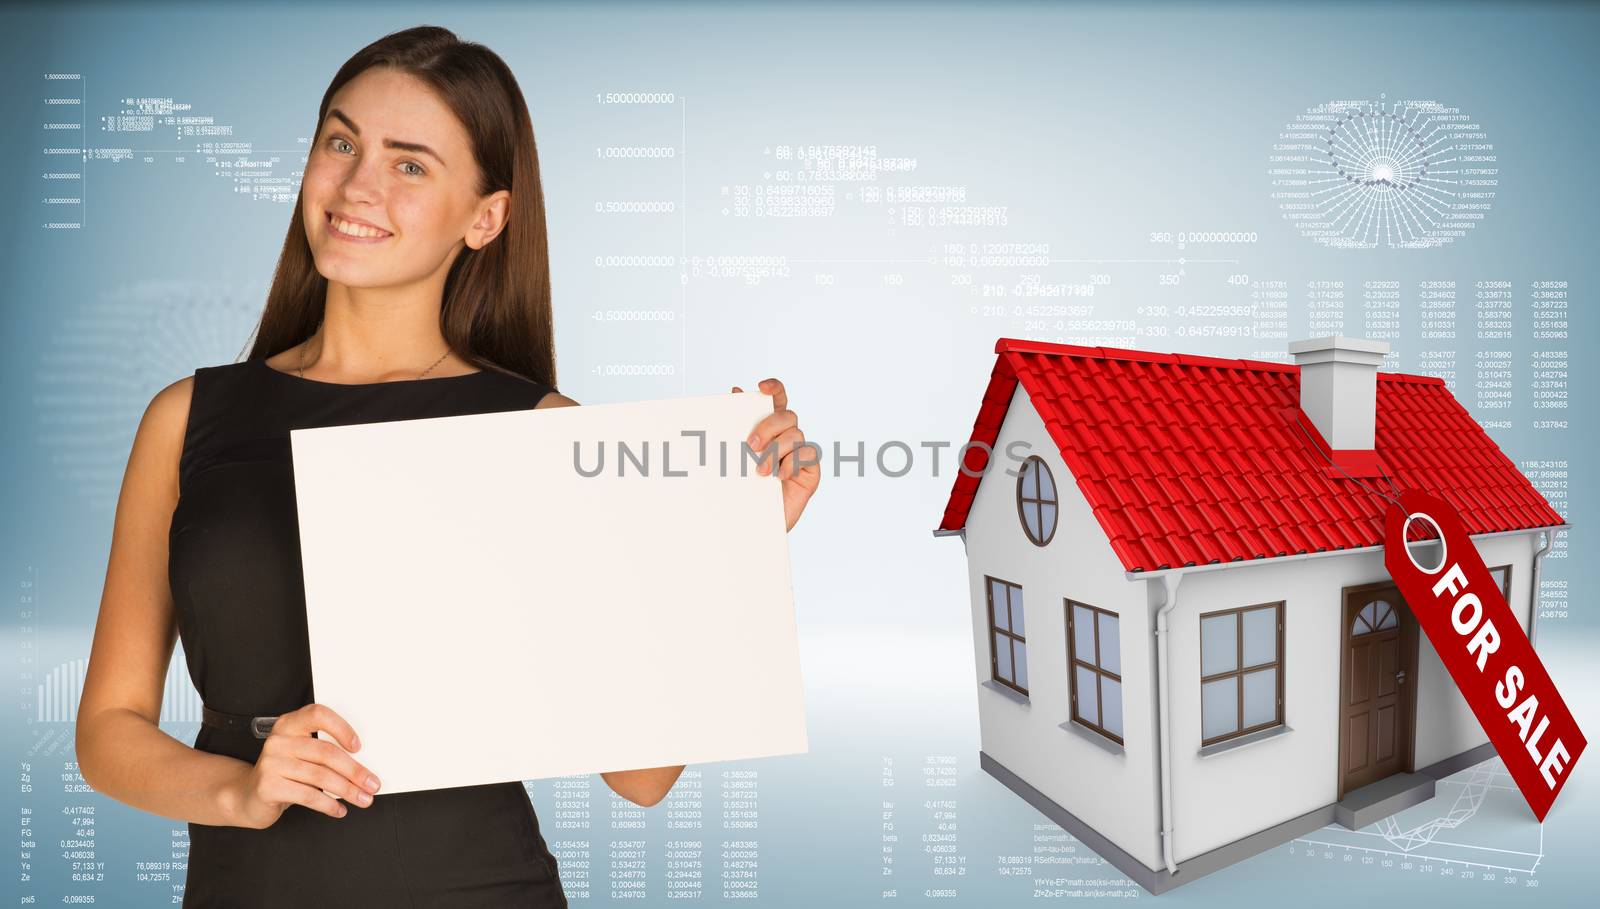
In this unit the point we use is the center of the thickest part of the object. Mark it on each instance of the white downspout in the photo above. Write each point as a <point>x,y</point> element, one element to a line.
<point>1533,598</point>
<point>1169,595</point>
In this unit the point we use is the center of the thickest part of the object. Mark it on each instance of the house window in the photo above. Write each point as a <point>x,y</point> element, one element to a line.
<point>1241,671</point>
<point>1094,658</point>
<point>1036,500</point>
<point>1008,654</point>
<point>1502,575</point>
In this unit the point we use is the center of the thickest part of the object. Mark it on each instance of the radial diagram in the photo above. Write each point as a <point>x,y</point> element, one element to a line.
<point>1406,174</point>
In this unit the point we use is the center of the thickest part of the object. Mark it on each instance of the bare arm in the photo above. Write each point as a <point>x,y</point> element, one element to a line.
<point>121,750</point>
<point>642,787</point>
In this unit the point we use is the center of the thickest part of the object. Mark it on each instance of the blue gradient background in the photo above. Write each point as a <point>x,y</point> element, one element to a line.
<point>1093,124</point>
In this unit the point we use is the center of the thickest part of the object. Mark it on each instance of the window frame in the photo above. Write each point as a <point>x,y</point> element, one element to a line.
<point>1506,590</point>
<point>994,658</point>
<point>1240,671</point>
<point>1073,662</point>
<point>1039,502</point>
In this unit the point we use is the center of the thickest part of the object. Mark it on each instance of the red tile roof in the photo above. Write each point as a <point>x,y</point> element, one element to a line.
<point>1189,460</point>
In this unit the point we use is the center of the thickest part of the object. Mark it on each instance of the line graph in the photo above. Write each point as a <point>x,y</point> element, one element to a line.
<point>1486,826</point>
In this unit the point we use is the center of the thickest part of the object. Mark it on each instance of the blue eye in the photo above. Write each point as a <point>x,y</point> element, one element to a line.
<point>419,171</point>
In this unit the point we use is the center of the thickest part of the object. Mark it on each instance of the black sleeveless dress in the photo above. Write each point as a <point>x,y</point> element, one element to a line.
<point>235,573</point>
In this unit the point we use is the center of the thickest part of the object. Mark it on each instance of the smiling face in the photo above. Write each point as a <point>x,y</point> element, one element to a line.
<point>389,195</point>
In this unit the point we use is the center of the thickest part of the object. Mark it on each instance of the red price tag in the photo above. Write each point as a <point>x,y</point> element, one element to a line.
<point>1461,609</point>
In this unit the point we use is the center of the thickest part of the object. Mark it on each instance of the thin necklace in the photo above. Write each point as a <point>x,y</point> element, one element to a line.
<point>302,368</point>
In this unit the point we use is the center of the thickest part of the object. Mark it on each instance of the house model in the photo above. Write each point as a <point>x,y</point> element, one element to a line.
<point>1187,647</point>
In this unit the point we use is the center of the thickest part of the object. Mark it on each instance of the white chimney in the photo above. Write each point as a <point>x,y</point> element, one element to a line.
<point>1339,388</point>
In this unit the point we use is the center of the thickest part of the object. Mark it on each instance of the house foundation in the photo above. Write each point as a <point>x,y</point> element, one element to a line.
<point>1360,808</point>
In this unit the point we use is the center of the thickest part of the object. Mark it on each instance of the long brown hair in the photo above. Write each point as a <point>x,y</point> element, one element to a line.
<point>495,312</point>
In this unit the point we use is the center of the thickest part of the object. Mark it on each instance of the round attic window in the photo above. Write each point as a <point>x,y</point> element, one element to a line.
<point>1036,500</point>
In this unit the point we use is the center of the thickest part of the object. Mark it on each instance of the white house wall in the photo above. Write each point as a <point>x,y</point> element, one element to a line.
<point>1225,796</point>
<point>1115,794</point>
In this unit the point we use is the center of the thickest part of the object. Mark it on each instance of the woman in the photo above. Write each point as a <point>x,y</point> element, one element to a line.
<point>414,282</point>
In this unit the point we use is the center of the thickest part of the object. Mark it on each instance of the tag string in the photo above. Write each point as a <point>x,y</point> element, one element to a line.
<point>1395,498</point>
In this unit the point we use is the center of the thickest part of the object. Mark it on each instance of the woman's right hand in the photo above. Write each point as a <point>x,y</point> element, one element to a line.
<point>296,767</point>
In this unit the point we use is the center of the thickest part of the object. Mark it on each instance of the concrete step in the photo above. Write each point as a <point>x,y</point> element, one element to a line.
<point>1376,801</point>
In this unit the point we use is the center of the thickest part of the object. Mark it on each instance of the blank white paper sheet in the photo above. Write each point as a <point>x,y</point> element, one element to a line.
<point>482,612</point>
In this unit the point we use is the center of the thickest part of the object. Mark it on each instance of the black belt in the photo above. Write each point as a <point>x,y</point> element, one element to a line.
<point>258,726</point>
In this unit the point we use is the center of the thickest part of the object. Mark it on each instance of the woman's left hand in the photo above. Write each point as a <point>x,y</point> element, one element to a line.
<point>799,475</point>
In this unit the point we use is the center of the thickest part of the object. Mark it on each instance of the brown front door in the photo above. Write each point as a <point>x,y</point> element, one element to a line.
<point>1377,685</point>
